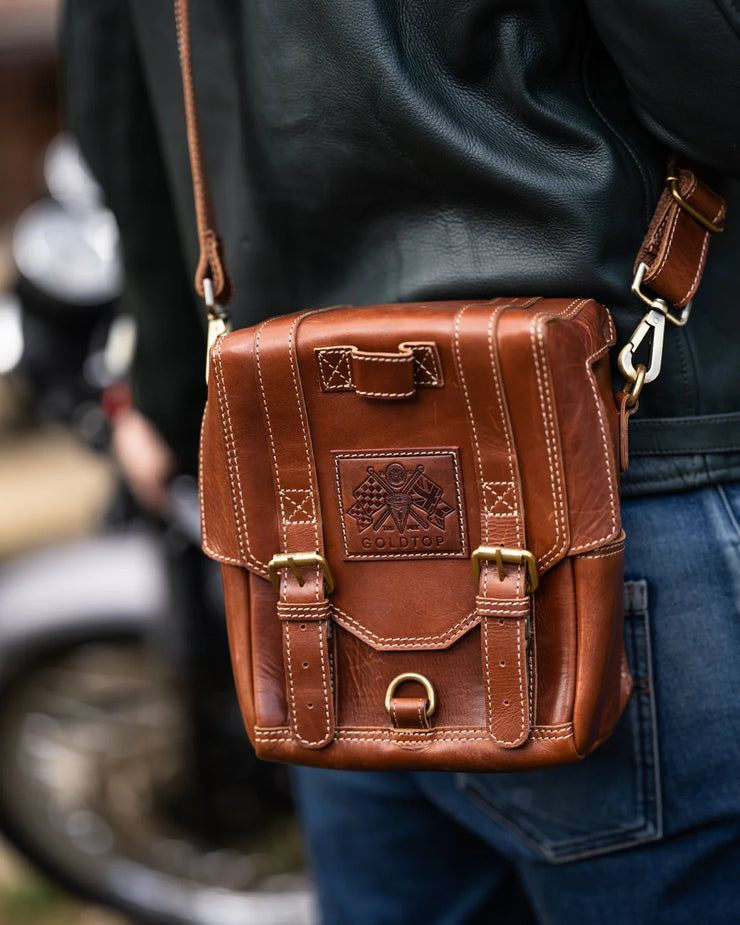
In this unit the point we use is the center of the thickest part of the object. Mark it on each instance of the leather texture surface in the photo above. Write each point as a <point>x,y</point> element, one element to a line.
<point>518,448</point>
<point>363,151</point>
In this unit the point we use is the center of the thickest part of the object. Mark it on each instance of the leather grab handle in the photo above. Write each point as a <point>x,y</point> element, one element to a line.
<point>380,375</point>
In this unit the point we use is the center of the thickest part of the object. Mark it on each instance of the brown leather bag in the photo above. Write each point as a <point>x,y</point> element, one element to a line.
<point>416,509</point>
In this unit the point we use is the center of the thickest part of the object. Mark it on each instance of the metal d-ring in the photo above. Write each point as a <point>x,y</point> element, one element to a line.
<point>420,679</point>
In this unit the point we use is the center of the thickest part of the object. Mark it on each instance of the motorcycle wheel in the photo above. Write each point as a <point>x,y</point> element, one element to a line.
<point>93,742</point>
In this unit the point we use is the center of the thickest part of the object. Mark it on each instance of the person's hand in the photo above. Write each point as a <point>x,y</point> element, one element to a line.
<point>146,461</point>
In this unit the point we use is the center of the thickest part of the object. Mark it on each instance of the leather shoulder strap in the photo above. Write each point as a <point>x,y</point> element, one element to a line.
<point>674,250</point>
<point>211,264</point>
<point>675,247</point>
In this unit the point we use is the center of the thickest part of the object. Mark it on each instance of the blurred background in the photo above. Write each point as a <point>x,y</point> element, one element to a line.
<point>128,789</point>
<point>44,472</point>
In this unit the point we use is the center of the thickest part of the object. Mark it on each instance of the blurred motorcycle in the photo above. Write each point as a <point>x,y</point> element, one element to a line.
<point>125,772</point>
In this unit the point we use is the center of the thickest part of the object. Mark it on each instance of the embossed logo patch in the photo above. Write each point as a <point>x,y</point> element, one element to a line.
<point>400,503</point>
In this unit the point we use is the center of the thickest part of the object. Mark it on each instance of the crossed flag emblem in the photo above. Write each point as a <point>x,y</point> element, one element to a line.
<point>399,495</point>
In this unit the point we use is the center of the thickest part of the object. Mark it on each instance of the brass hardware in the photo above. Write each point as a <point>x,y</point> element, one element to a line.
<point>687,207</point>
<point>499,555</point>
<point>634,387</point>
<point>296,561</point>
<point>420,679</point>
<point>219,322</point>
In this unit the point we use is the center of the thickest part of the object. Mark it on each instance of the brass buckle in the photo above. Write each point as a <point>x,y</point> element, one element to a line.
<point>499,555</point>
<point>296,561</point>
<point>687,207</point>
<point>420,679</point>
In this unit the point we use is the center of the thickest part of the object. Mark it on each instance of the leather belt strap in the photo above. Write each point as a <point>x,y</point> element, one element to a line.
<point>503,605</point>
<point>303,608</point>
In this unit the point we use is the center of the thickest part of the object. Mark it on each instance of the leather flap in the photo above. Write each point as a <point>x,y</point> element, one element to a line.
<point>398,490</point>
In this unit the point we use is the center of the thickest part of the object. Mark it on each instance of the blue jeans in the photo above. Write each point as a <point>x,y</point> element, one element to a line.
<point>646,830</point>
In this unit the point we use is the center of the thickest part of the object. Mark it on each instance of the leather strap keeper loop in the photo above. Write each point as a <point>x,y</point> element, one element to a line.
<point>409,713</point>
<point>300,613</point>
<point>506,610</point>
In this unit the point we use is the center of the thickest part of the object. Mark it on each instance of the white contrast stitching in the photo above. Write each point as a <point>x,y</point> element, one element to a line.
<point>328,368</point>
<point>603,555</point>
<point>433,377</point>
<point>204,541</point>
<point>548,419</point>
<point>382,358</point>
<point>365,394</point>
<point>312,481</point>
<point>298,504</point>
<point>502,495</point>
<point>276,471</point>
<point>699,268</point>
<point>438,734</point>
<point>506,425</point>
<point>459,629</point>
<point>461,374</point>
<point>294,709</point>
<point>231,456</point>
<point>605,442</point>
<point>674,226</point>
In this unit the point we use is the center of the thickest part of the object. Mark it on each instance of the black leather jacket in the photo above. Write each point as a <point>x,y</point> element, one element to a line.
<point>369,151</point>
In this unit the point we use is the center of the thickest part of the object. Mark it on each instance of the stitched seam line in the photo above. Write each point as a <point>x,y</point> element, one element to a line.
<point>603,555</point>
<point>293,706</point>
<point>273,450</point>
<point>379,358</point>
<point>540,363</point>
<point>542,730</point>
<point>327,362</point>
<point>301,414</point>
<point>515,506</point>
<point>237,498</point>
<point>479,460</point>
<point>392,735</point>
<point>365,394</point>
<point>699,269</point>
<point>605,443</point>
<point>411,641</point>
<point>204,541</point>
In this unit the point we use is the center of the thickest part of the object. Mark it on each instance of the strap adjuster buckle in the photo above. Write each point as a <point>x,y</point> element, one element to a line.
<point>692,211</point>
<point>500,555</point>
<point>295,562</point>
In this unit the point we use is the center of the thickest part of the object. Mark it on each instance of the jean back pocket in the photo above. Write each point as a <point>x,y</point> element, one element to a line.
<point>611,800</point>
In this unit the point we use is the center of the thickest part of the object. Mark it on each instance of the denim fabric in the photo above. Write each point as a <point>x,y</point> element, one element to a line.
<point>646,830</point>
